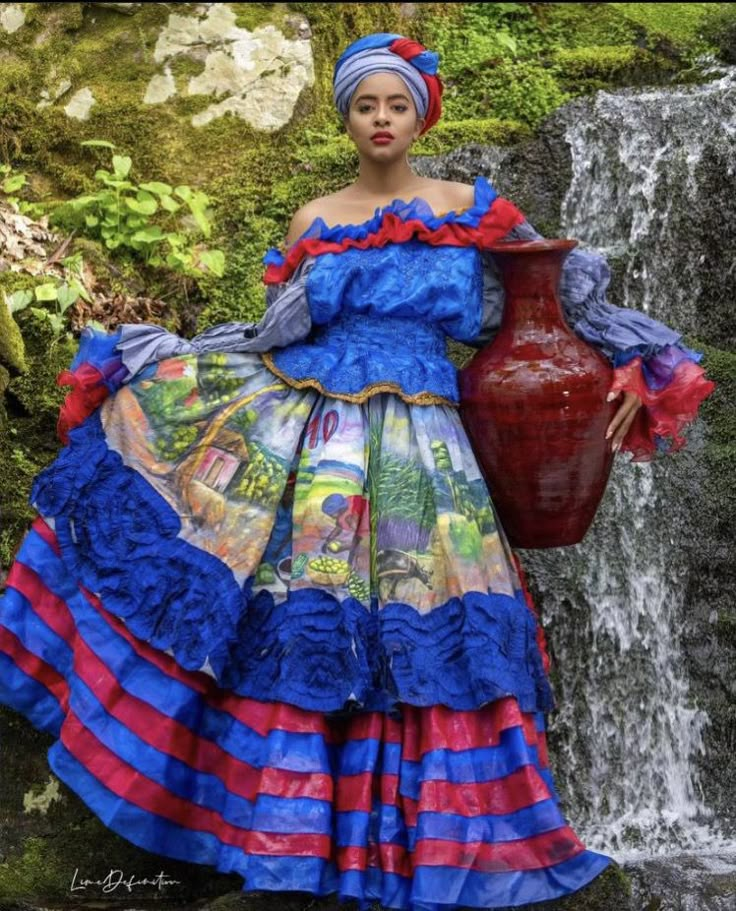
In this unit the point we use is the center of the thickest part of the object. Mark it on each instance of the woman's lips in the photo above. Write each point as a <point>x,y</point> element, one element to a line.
<point>382,140</point>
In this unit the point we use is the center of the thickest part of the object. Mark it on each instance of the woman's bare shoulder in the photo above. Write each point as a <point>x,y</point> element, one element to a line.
<point>303,218</point>
<point>456,195</point>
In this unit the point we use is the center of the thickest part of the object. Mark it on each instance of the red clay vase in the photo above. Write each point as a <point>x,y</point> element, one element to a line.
<point>533,403</point>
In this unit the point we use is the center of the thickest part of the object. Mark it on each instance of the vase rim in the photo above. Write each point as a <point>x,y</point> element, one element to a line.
<point>532,246</point>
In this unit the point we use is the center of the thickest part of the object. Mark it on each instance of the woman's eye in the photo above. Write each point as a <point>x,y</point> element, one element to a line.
<point>362,108</point>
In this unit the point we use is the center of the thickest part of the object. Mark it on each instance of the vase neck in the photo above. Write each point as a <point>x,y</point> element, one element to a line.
<point>531,283</point>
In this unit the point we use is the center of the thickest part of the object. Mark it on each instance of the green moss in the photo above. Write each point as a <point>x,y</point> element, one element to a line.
<point>28,439</point>
<point>718,29</point>
<point>446,136</point>
<point>37,871</point>
<point>15,75</point>
<point>12,350</point>
<point>252,15</point>
<point>525,92</point>
<point>571,25</point>
<point>679,22</point>
<point>583,70</point>
<point>719,409</point>
<point>719,414</point>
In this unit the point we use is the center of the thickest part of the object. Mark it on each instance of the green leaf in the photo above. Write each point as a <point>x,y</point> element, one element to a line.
<point>102,143</point>
<point>155,186</point>
<point>91,220</point>
<point>149,235</point>
<point>118,183</point>
<point>214,261</point>
<point>80,202</point>
<point>183,192</point>
<point>66,297</point>
<point>197,203</point>
<point>19,300</point>
<point>45,292</point>
<point>80,289</point>
<point>506,40</point>
<point>40,313</point>
<point>57,322</point>
<point>13,183</point>
<point>169,204</point>
<point>177,259</point>
<point>175,239</point>
<point>145,206</point>
<point>121,164</point>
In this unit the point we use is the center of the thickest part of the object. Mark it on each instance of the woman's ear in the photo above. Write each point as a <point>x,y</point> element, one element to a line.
<point>419,126</point>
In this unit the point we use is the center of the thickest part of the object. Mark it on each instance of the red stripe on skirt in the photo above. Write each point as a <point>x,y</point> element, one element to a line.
<point>34,666</point>
<point>127,782</point>
<point>158,729</point>
<point>537,852</point>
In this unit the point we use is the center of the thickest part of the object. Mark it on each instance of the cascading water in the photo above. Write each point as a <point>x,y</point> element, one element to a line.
<point>627,728</point>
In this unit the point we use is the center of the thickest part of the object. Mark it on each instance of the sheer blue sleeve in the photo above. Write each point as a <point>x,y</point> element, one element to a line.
<point>286,320</point>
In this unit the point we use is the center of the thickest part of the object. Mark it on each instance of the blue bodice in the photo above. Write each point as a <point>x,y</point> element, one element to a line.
<point>380,317</point>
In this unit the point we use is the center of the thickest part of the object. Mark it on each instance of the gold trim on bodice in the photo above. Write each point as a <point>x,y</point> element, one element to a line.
<point>419,398</point>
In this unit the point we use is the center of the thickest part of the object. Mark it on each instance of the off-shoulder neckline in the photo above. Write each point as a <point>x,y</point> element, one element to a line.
<point>398,222</point>
<point>416,207</point>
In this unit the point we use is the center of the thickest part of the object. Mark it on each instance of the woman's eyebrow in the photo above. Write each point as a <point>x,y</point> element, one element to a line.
<point>373,97</point>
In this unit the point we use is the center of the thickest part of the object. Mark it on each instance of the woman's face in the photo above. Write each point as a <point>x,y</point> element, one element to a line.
<point>382,103</point>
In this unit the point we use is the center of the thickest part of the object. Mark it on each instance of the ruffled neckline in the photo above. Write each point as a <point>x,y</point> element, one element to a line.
<point>396,222</point>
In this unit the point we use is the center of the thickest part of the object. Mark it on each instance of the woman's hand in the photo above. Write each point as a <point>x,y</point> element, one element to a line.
<point>622,420</point>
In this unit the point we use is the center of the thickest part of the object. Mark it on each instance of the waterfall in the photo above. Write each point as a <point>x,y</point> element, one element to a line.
<point>627,731</point>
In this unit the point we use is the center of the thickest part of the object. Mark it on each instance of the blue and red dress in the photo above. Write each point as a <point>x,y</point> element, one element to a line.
<point>267,609</point>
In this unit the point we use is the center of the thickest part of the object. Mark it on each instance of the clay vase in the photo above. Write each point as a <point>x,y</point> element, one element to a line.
<point>533,403</point>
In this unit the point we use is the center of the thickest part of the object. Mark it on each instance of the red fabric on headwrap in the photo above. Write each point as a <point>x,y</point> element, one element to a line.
<point>407,49</point>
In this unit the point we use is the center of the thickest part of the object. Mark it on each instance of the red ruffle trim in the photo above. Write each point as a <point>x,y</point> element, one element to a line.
<point>88,393</point>
<point>664,412</point>
<point>501,216</point>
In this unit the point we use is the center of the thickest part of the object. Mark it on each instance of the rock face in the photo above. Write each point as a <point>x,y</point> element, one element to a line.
<point>260,73</point>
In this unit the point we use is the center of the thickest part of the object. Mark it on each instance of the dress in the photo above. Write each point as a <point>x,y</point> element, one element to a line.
<point>267,608</point>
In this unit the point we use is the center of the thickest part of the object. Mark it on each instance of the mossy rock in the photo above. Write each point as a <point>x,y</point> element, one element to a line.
<point>718,28</point>
<point>446,136</point>
<point>584,69</point>
<point>12,349</point>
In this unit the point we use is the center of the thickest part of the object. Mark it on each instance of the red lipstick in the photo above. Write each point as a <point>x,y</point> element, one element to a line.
<point>382,137</point>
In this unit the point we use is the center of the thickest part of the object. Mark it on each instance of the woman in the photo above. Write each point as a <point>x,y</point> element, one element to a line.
<point>267,608</point>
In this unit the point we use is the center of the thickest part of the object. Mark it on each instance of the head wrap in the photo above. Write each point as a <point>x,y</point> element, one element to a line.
<point>383,52</point>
